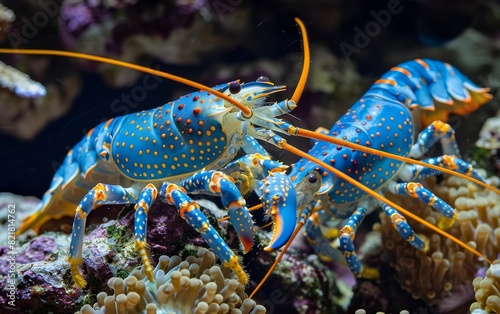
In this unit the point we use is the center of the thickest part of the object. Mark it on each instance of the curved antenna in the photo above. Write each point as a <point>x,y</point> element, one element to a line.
<point>306,63</point>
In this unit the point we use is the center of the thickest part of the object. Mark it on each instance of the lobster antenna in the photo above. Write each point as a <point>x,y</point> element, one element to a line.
<point>278,259</point>
<point>245,110</point>
<point>322,137</point>
<point>368,191</point>
<point>306,63</point>
<point>381,198</point>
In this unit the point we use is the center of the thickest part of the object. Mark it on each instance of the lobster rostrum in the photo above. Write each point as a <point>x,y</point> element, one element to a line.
<point>179,148</point>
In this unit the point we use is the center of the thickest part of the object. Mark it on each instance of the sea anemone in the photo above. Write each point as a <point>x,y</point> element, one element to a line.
<point>361,311</point>
<point>195,285</point>
<point>487,290</point>
<point>446,269</point>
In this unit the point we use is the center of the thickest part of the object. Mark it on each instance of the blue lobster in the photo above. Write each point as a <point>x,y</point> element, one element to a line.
<point>167,152</point>
<point>381,119</point>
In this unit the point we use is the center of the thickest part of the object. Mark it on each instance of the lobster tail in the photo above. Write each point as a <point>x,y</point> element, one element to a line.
<point>436,87</point>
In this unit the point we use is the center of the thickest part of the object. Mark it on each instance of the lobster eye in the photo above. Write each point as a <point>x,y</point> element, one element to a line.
<point>263,79</point>
<point>234,87</point>
<point>312,178</point>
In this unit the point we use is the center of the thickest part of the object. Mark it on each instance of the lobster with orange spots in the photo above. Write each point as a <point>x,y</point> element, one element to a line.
<point>381,119</point>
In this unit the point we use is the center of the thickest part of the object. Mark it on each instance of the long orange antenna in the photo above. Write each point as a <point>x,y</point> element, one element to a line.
<point>307,62</point>
<point>246,111</point>
<point>368,191</point>
<point>278,259</point>
<point>374,194</point>
<point>354,146</point>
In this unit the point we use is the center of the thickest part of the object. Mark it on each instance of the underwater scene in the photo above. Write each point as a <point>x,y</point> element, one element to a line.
<point>230,156</point>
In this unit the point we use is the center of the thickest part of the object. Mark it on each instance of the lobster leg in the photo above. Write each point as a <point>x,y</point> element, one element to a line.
<point>144,203</point>
<point>443,132</point>
<point>99,195</point>
<point>436,131</point>
<point>252,146</point>
<point>416,190</point>
<point>175,195</point>
<point>346,237</point>
<point>399,223</point>
<point>445,161</point>
<point>233,202</point>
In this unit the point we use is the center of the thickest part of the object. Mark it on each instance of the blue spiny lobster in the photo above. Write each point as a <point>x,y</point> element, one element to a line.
<point>177,148</point>
<point>126,159</point>
<point>381,119</point>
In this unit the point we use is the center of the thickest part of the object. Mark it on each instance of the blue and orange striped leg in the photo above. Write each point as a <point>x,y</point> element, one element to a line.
<point>399,223</point>
<point>411,173</point>
<point>416,190</point>
<point>216,182</point>
<point>436,131</point>
<point>346,237</point>
<point>144,202</point>
<point>101,194</point>
<point>175,195</point>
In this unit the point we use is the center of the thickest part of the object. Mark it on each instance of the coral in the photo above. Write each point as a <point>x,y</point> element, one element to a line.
<point>444,272</point>
<point>17,206</point>
<point>489,137</point>
<point>173,32</point>
<point>384,296</point>
<point>19,83</point>
<point>487,290</point>
<point>301,283</point>
<point>487,151</point>
<point>41,269</point>
<point>196,285</point>
<point>6,19</point>
<point>26,106</point>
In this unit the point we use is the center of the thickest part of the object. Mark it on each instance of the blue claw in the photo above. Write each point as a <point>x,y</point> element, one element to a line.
<point>280,201</point>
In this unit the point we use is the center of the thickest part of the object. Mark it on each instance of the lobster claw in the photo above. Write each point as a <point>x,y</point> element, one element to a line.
<point>280,201</point>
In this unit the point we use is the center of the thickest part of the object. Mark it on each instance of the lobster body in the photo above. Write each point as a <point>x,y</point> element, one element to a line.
<point>168,143</point>
<point>374,122</point>
<point>381,119</point>
<point>175,140</point>
<point>170,151</point>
